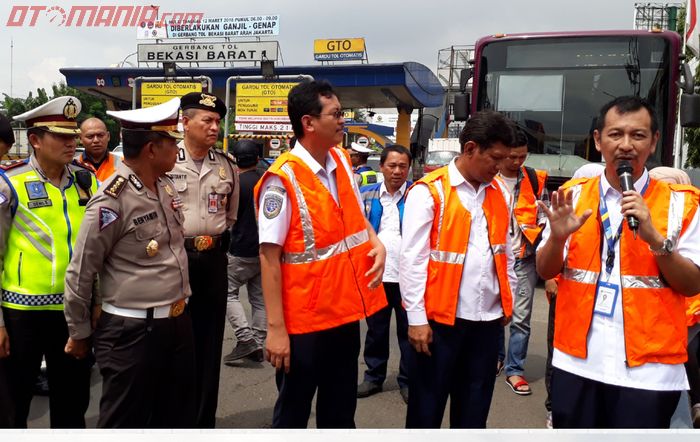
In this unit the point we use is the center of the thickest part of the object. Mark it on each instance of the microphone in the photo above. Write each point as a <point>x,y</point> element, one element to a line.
<point>624,173</point>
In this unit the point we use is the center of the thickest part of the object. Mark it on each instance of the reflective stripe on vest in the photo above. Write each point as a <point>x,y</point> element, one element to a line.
<point>311,253</point>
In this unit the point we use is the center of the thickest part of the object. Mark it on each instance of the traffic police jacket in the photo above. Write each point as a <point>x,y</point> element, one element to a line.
<point>449,239</point>
<point>41,237</point>
<point>324,257</point>
<point>653,314</point>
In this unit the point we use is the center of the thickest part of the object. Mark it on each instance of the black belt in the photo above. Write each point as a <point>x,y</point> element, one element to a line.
<point>203,243</point>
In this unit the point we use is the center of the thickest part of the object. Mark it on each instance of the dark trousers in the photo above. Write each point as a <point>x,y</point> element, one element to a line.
<point>147,368</point>
<point>692,369</point>
<point>7,409</point>
<point>209,283</point>
<point>325,361</point>
<point>550,353</point>
<point>376,351</point>
<point>34,334</point>
<point>578,402</point>
<point>461,367</point>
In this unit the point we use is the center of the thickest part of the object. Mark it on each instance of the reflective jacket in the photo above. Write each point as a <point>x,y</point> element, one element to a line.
<point>525,209</point>
<point>449,238</point>
<point>653,314</point>
<point>41,238</point>
<point>106,169</point>
<point>324,257</point>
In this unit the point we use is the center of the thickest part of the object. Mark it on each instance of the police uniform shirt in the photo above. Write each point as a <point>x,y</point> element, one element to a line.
<point>210,195</point>
<point>8,201</point>
<point>273,205</point>
<point>134,240</point>
<point>605,360</point>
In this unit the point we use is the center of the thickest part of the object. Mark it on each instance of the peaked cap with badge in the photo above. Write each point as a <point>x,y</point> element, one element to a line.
<point>57,116</point>
<point>200,100</point>
<point>162,118</point>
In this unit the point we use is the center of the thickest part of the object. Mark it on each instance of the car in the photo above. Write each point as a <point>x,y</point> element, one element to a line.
<point>78,151</point>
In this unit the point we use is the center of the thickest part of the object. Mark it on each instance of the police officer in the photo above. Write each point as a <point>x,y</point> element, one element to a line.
<point>364,175</point>
<point>208,185</point>
<point>132,237</point>
<point>42,204</point>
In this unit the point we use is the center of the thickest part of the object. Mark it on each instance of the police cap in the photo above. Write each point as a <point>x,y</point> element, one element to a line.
<point>57,116</point>
<point>200,100</point>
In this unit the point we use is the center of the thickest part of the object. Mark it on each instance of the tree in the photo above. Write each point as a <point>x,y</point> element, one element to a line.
<point>692,135</point>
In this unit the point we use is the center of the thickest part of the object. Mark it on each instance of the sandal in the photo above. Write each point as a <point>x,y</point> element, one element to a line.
<point>518,387</point>
<point>499,368</point>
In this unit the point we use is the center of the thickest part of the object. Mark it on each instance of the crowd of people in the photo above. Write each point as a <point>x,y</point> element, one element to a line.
<point>137,263</point>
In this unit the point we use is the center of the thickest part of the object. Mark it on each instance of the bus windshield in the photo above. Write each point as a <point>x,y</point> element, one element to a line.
<point>553,87</point>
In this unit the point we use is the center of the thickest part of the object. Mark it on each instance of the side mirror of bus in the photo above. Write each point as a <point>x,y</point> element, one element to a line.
<point>687,81</point>
<point>464,76</point>
<point>460,107</point>
<point>690,110</point>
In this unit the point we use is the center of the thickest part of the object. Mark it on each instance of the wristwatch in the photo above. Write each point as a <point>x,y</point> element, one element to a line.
<point>665,249</point>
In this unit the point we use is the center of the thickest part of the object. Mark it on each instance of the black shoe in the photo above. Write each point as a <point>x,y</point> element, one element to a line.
<point>241,350</point>
<point>404,394</point>
<point>257,356</point>
<point>368,388</point>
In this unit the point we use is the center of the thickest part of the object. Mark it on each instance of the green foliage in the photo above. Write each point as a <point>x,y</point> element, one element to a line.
<point>692,135</point>
<point>92,107</point>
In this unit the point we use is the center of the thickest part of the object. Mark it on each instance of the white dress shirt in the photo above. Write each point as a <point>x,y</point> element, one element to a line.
<point>479,293</point>
<point>274,230</point>
<point>390,231</point>
<point>606,340</point>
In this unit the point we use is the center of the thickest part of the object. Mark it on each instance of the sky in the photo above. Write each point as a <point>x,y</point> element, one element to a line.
<point>394,30</point>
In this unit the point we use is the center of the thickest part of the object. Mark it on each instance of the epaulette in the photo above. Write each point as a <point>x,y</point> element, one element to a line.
<point>226,155</point>
<point>8,165</point>
<point>114,188</point>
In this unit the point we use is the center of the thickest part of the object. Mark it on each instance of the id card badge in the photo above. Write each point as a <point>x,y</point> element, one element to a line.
<point>606,297</point>
<point>213,203</point>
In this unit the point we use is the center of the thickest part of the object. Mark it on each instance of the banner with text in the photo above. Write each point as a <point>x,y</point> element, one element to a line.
<point>339,49</point>
<point>153,94</point>
<point>262,107</point>
<point>249,26</point>
<point>208,52</point>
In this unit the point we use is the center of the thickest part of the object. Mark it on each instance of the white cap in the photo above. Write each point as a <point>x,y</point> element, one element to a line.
<point>160,118</point>
<point>360,148</point>
<point>57,116</point>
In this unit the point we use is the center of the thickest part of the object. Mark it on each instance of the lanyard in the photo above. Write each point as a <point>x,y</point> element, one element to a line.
<point>611,238</point>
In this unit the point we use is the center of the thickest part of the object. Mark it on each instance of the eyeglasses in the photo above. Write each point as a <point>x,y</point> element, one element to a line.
<point>337,115</point>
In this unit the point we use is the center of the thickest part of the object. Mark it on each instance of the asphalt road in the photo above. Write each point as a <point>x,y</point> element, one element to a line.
<point>247,392</point>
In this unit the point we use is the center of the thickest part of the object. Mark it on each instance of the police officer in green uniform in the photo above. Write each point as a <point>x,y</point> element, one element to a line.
<point>42,204</point>
<point>364,174</point>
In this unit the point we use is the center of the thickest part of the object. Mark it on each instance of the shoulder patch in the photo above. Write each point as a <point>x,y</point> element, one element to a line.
<point>272,204</point>
<point>107,217</point>
<point>279,189</point>
<point>116,186</point>
<point>3,198</point>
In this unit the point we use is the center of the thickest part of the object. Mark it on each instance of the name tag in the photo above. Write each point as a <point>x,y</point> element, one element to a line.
<point>606,297</point>
<point>213,203</point>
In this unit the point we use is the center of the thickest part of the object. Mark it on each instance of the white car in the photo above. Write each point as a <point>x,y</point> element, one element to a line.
<point>118,151</point>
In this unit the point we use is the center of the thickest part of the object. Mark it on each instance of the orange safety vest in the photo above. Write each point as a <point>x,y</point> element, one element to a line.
<point>653,314</point>
<point>107,168</point>
<point>449,238</point>
<point>324,257</point>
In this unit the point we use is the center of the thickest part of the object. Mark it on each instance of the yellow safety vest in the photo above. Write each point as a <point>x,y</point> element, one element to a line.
<point>41,239</point>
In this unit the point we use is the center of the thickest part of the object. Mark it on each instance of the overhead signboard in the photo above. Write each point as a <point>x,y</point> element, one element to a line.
<point>150,30</point>
<point>249,26</point>
<point>339,49</point>
<point>153,93</point>
<point>208,52</point>
<point>262,107</point>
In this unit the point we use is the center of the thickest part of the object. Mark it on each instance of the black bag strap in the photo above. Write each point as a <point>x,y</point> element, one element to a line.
<point>532,175</point>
